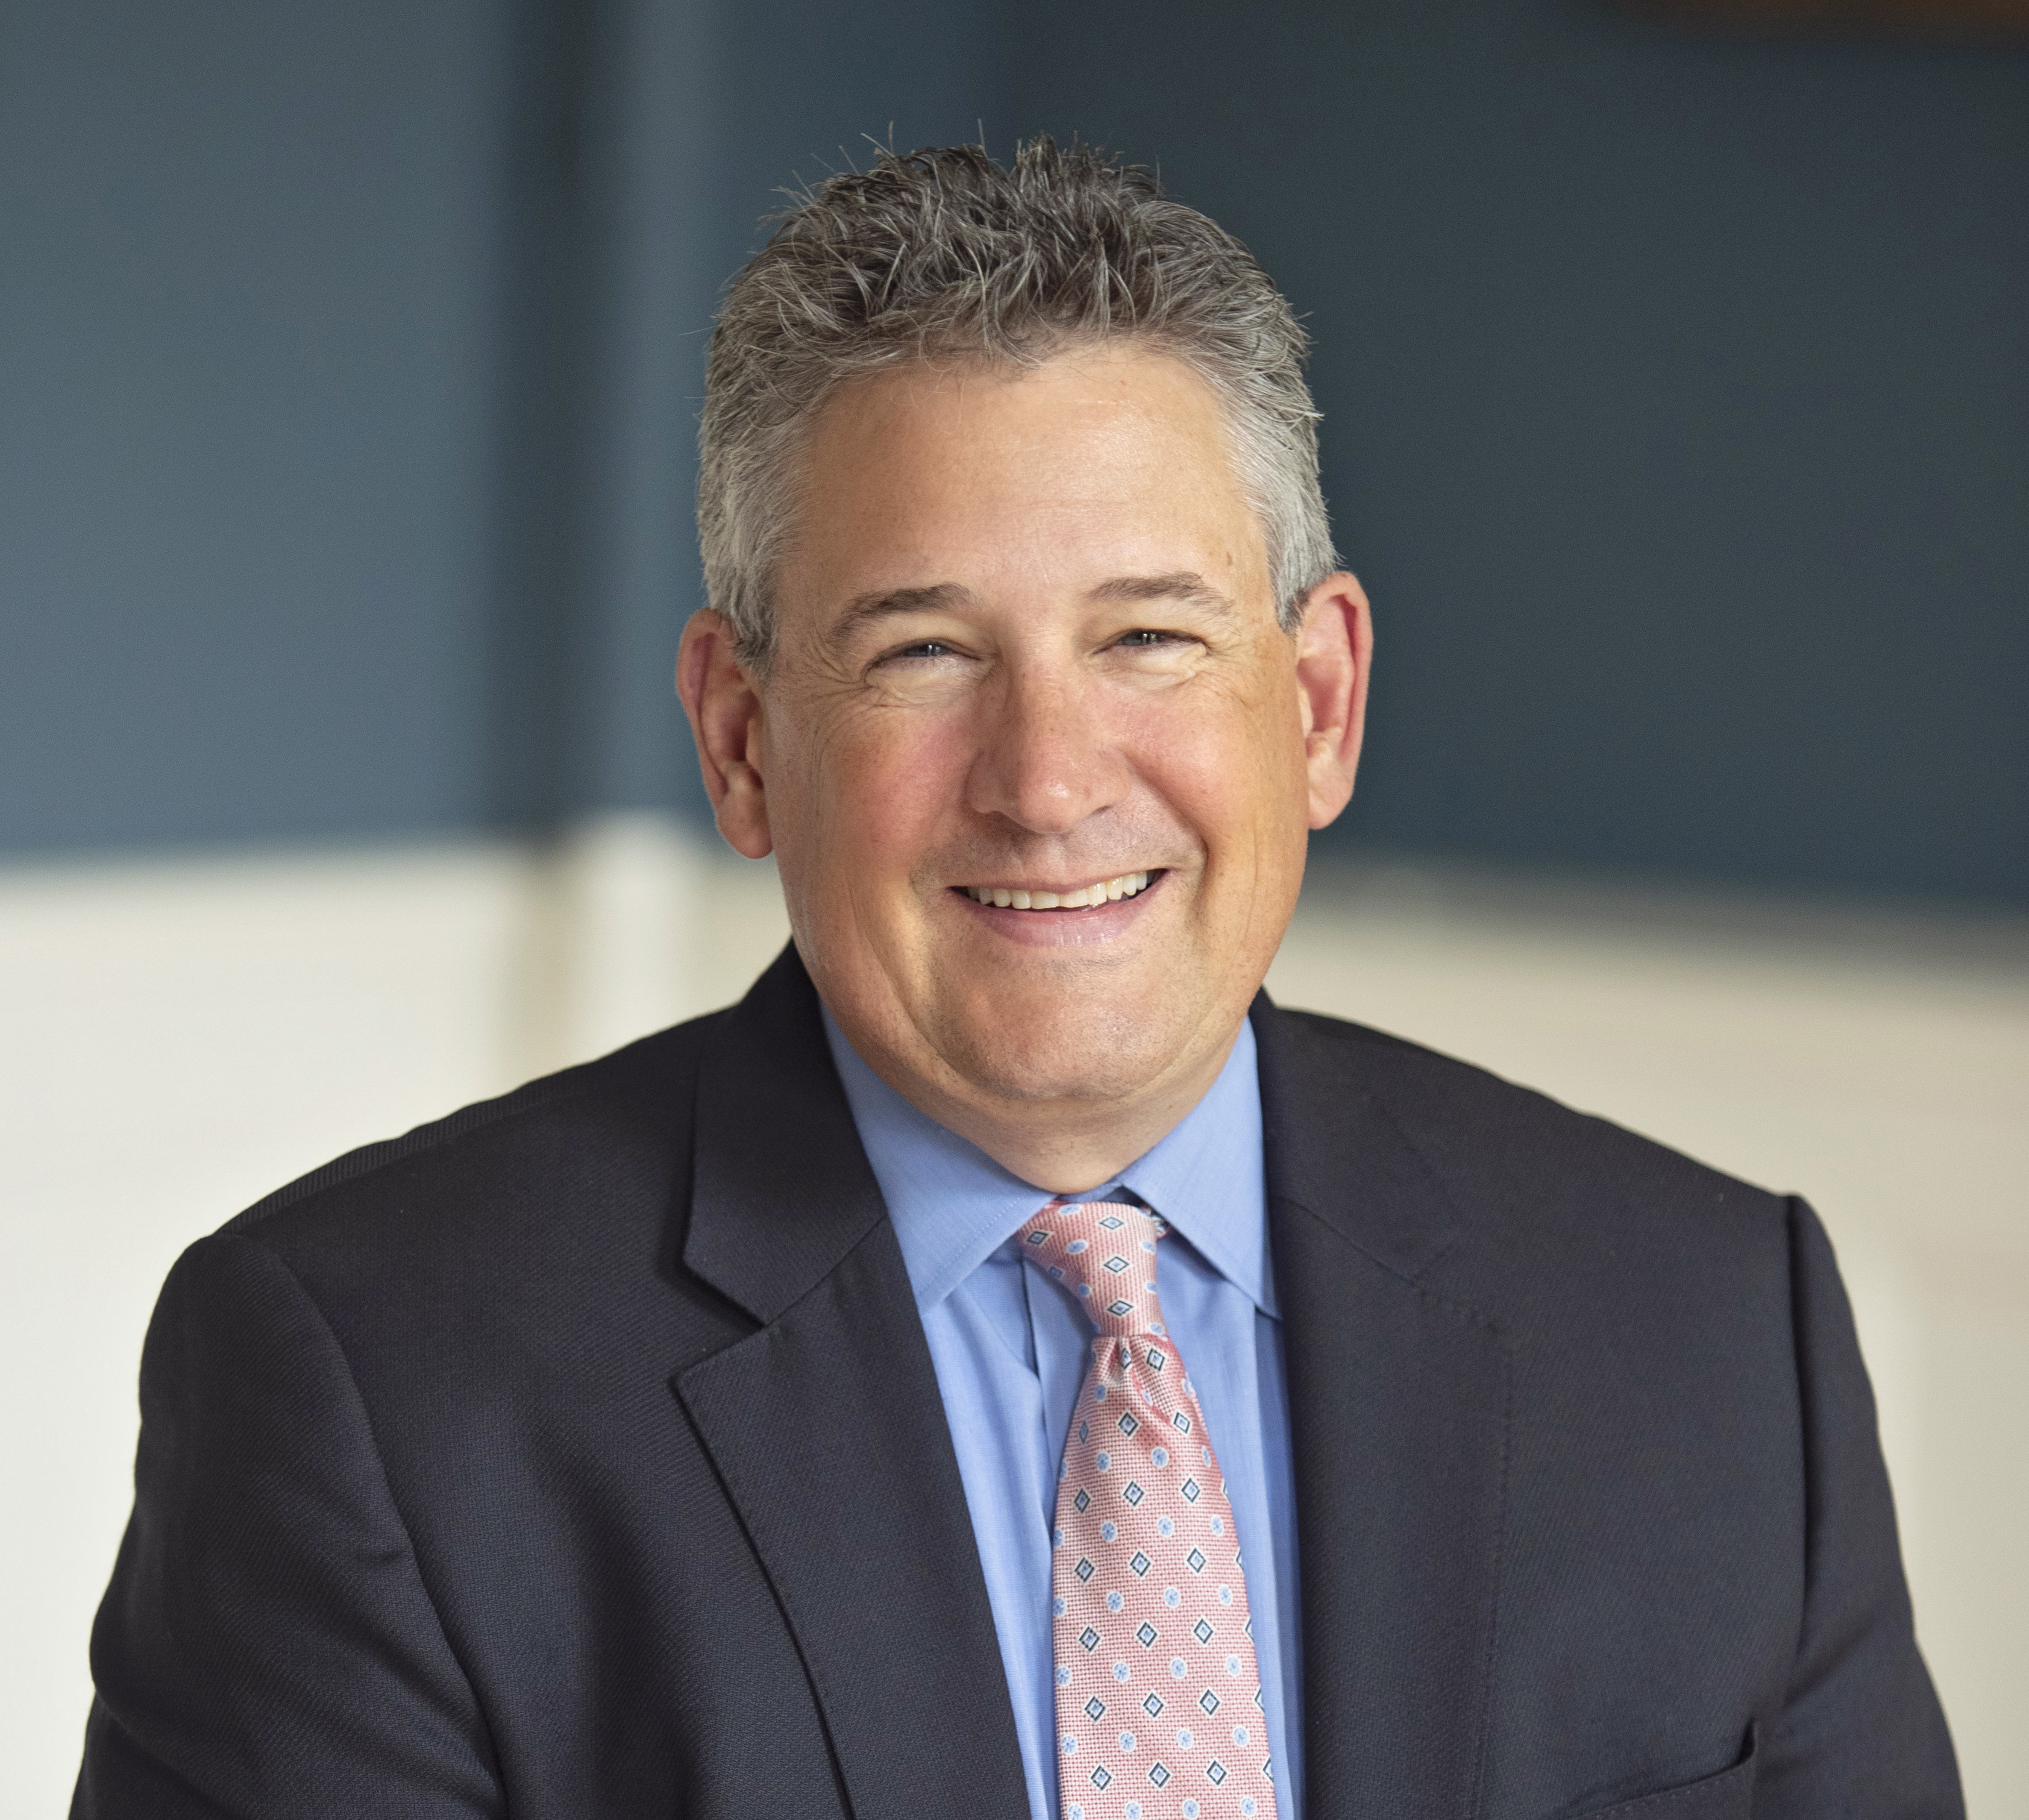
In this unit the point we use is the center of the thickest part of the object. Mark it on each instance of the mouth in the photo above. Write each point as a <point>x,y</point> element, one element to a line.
<point>1081,897</point>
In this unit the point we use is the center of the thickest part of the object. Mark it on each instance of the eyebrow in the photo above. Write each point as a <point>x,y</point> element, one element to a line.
<point>1186,585</point>
<point>866,608</point>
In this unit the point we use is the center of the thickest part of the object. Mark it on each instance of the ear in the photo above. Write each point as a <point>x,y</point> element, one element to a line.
<point>1334,650</point>
<point>724,704</point>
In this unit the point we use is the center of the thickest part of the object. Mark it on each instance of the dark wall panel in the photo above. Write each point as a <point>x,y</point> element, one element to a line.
<point>1677,412</point>
<point>245,372</point>
<point>348,391</point>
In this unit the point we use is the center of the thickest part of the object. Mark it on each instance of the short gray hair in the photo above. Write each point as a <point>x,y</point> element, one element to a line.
<point>943,254</point>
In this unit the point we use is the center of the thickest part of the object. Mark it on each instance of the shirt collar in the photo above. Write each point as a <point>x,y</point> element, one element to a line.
<point>952,1206</point>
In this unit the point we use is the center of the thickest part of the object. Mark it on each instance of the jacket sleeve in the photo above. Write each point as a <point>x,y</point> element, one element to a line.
<point>267,1645</point>
<point>1861,1732</point>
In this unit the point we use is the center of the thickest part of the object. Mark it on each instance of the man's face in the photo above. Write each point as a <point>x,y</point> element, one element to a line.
<point>1027,649</point>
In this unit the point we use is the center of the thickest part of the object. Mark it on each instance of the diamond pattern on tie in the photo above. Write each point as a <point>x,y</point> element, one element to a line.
<point>1141,1511</point>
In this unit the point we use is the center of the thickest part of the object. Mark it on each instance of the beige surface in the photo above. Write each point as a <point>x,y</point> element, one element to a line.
<point>180,1037</point>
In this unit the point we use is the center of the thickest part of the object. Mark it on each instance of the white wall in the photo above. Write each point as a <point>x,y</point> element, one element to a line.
<point>180,1036</point>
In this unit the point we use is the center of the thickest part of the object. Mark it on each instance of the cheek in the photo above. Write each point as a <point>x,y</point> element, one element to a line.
<point>885,784</point>
<point>1232,765</point>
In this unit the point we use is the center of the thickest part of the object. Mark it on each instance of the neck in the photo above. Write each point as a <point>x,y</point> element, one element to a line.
<point>1069,1146</point>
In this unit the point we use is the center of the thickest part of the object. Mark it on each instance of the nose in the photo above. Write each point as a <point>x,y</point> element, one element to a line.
<point>1046,760</point>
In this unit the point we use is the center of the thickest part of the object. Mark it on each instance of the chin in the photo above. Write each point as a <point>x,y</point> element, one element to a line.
<point>1062,1046</point>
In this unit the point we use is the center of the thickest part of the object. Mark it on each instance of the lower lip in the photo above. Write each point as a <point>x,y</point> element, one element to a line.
<point>1064,929</point>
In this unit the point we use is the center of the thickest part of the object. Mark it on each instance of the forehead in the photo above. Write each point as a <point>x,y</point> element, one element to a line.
<point>1112,460</point>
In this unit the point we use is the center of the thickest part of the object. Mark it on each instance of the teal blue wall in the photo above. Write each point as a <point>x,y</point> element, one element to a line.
<point>1677,409</point>
<point>248,355</point>
<point>1677,413</point>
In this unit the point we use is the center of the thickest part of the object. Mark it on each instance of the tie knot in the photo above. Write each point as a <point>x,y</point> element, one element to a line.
<point>1105,1251</point>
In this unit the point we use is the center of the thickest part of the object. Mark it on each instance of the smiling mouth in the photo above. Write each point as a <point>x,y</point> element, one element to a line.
<point>1085,897</point>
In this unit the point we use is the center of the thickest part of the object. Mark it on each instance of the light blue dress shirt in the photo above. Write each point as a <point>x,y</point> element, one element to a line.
<point>1011,1349</point>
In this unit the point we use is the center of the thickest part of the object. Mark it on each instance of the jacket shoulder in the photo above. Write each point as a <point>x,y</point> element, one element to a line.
<point>1553,1222</point>
<point>508,1148</point>
<point>1464,1118</point>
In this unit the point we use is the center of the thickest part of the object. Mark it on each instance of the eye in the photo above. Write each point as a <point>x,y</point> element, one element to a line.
<point>923,649</point>
<point>1155,642</point>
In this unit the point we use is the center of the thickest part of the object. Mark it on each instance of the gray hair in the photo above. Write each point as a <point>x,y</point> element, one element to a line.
<point>942,254</point>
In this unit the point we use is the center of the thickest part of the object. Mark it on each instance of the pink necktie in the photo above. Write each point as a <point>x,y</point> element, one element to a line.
<point>1159,1699</point>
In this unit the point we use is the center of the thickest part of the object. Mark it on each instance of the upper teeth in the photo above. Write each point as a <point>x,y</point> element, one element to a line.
<point>1109,892</point>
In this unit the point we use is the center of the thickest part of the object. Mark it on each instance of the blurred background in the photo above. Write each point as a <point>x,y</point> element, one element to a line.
<point>1676,405</point>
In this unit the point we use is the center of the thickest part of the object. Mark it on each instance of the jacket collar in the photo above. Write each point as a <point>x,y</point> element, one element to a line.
<point>782,1191</point>
<point>828,1431</point>
<point>1336,1150</point>
<point>1399,1415</point>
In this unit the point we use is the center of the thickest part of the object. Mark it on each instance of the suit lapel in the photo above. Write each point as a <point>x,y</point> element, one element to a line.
<point>1398,1404</point>
<point>828,1430</point>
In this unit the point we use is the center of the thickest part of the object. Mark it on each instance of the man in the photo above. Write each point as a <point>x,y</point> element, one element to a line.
<point>1007,1367</point>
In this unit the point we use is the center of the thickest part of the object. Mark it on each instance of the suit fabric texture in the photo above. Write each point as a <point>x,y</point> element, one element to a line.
<point>581,1454</point>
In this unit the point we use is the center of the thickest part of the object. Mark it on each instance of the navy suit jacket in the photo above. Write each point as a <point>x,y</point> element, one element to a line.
<point>580,1455</point>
